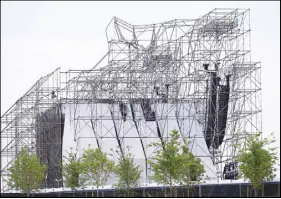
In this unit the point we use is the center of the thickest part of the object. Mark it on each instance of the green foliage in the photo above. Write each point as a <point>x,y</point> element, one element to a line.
<point>173,163</point>
<point>71,170</point>
<point>256,163</point>
<point>127,172</point>
<point>96,167</point>
<point>166,161</point>
<point>26,173</point>
<point>190,170</point>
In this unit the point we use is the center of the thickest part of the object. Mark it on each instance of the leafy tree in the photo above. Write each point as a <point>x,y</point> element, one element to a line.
<point>166,161</point>
<point>190,170</point>
<point>127,172</point>
<point>96,166</point>
<point>256,163</point>
<point>71,171</point>
<point>27,172</point>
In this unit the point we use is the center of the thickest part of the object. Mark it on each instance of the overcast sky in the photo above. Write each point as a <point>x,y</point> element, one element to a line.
<point>38,37</point>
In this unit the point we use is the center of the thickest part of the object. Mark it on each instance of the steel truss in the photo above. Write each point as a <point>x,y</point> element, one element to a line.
<point>154,78</point>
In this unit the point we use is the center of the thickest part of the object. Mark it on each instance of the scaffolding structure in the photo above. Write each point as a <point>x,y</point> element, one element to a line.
<point>195,76</point>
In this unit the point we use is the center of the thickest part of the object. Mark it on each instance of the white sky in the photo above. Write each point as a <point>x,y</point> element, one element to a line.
<point>38,37</point>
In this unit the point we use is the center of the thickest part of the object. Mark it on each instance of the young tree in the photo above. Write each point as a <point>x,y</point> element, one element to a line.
<point>96,167</point>
<point>190,170</point>
<point>27,172</point>
<point>256,163</point>
<point>166,161</point>
<point>128,173</point>
<point>71,171</point>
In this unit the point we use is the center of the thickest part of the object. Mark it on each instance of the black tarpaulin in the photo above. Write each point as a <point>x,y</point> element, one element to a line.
<point>49,136</point>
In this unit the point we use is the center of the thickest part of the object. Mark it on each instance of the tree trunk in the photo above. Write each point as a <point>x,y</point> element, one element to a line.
<point>171,191</point>
<point>97,192</point>
<point>262,191</point>
<point>256,192</point>
<point>188,192</point>
<point>171,186</point>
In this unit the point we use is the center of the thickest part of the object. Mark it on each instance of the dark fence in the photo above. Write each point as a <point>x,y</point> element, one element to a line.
<point>271,189</point>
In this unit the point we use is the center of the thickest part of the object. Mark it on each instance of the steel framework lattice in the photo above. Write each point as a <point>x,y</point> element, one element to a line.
<point>195,76</point>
